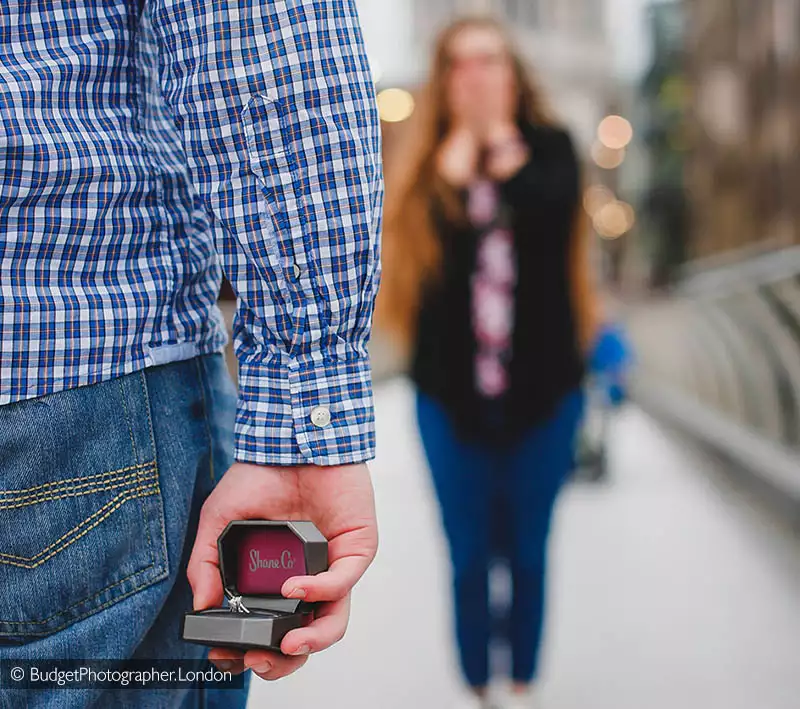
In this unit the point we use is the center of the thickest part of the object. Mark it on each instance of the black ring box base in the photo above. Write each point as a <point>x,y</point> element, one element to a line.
<point>221,627</point>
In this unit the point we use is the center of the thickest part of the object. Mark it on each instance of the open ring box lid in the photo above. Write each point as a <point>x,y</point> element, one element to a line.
<point>256,557</point>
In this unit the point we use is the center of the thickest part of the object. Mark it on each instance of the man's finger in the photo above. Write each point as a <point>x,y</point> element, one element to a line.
<point>227,659</point>
<point>325,630</point>
<point>203,568</point>
<point>331,585</point>
<point>272,665</point>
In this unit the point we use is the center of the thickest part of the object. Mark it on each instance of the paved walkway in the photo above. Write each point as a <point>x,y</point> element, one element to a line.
<point>668,591</point>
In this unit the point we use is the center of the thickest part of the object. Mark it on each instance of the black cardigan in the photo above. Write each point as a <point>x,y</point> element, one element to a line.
<point>546,363</point>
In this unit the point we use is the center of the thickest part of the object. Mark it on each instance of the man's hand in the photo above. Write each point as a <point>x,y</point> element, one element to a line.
<point>339,501</point>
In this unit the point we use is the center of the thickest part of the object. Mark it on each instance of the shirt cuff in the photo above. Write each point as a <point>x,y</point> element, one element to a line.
<point>305,411</point>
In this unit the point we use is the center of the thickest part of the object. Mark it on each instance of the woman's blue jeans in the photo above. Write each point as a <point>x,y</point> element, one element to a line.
<point>473,481</point>
<point>100,491</point>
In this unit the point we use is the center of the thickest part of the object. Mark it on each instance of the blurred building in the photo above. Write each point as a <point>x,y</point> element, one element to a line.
<point>662,119</point>
<point>721,358</point>
<point>743,173</point>
<point>564,42</point>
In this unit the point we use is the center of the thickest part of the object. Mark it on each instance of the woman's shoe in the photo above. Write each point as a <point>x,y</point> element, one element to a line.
<point>473,701</point>
<point>521,700</point>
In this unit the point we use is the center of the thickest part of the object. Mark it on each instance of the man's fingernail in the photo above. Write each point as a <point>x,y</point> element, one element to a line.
<point>224,665</point>
<point>262,669</point>
<point>298,593</point>
<point>302,650</point>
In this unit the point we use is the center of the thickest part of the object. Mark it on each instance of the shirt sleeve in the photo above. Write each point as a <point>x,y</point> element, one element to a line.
<point>276,108</point>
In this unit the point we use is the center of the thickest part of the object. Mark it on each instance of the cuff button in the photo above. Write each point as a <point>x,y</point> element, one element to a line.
<point>320,416</point>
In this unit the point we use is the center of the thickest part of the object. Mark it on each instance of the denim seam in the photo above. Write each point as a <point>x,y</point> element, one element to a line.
<point>69,480</point>
<point>149,416</point>
<point>202,378</point>
<point>143,507</point>
<point>73,490</point>
<point>107,604</point>
<point>115,503</point>
<point>77,603</point>
<point>123,396</point>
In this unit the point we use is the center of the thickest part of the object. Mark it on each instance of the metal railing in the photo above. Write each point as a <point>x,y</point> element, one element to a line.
<point>731,372</point>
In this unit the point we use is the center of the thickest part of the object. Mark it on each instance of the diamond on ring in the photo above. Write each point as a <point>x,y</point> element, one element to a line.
<point>237,605</point>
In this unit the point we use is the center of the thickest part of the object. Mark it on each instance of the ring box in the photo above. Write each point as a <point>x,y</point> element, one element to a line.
<point>256,557</point>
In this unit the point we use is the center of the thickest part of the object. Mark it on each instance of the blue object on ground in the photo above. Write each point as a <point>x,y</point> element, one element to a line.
<point>612,352</point>
<point>610,360</point>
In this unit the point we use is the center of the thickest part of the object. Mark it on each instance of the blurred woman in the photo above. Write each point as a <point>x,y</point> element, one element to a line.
<point>486,280</point>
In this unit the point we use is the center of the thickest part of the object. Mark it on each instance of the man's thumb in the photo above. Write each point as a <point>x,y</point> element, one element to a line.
<point>203,569</point>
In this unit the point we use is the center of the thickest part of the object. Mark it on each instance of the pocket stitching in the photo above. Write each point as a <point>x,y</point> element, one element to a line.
<point>69,480</point>
<point>75,490</point>
<point>151,490</point>
<point>143,472</point>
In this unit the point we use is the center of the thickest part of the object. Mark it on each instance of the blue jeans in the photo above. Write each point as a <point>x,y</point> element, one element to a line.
<point>100,492</point>
<point>475,483</point>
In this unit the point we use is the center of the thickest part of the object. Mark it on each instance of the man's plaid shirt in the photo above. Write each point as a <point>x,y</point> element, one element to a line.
<point>148,145</point>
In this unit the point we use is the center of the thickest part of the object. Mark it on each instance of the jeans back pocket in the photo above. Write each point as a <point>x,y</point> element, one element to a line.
<point>81,511</point>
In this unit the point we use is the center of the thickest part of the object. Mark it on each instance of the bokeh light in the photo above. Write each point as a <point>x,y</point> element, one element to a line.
<point>395,105</point>
<point>615,132</point>
<point>614,219</point>
<point>607,158</point>
<point>595,197</point>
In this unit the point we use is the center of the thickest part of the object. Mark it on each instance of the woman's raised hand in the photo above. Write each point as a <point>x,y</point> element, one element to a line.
<point>457,160</point>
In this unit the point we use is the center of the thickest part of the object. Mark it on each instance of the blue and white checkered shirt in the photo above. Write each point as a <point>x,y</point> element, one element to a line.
<point>148,144</point>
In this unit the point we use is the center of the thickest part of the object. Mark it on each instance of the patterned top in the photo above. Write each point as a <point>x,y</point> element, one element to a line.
<point>493,283</point>
<point>142,154</point>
